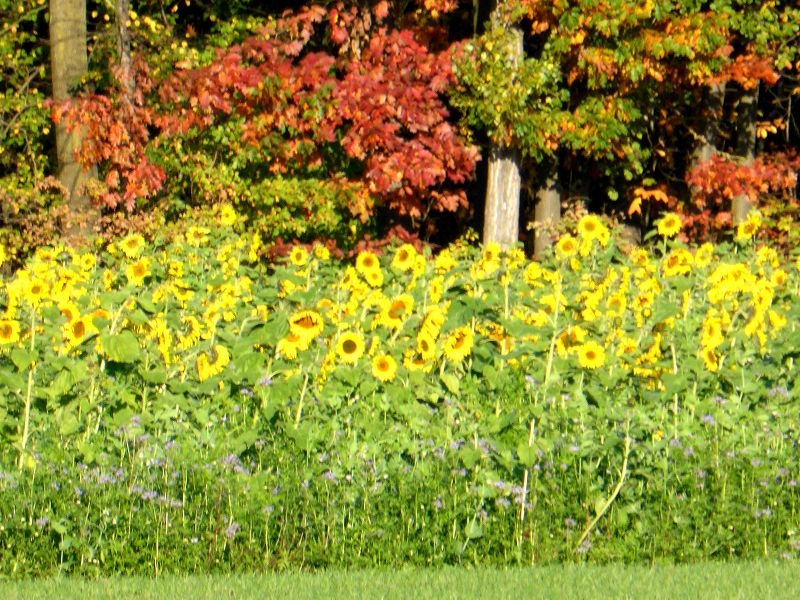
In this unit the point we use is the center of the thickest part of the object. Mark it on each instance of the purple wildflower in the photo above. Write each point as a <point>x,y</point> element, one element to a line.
<point>708,420</point>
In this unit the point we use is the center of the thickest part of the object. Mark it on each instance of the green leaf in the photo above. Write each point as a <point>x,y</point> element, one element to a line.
<point>13,381</point>
<point>123,347</point>
<point>527,454</point>
<point>147,305</point>
<point>473,530</point>
<point>452,383</point>
<point>63,382</point>
<point>22,359</point>
<point>154,376</point>
<point>469,456</point>
<point>599,503</point>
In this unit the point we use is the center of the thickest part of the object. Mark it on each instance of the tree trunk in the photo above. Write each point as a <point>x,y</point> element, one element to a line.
<point>122,10</point>
<point>547,211</point>
<point>745,147</point>
<point>715,98</point>
<point>501,213</point>
<point>69,64</point>
<point>501,216</point>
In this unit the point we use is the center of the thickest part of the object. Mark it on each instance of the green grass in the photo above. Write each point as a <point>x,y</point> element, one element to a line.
<point>774,580</point>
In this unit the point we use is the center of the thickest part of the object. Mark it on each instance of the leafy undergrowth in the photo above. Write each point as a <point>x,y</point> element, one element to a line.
<point>181,407</point>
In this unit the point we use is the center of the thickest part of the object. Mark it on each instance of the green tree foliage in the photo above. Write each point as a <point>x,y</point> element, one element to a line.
<point>339,113</point>
<point>325,96</point>
<point>29,201</point>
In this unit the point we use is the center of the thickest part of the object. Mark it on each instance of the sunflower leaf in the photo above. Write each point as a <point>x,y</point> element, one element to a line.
<point>122,347</point>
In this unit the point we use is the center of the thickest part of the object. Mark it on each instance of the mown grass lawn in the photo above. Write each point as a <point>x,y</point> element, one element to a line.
<point>773,580</point>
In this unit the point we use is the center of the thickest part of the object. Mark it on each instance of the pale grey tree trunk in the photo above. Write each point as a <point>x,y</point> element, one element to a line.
<point>69,64</point>
<point>547,210</point>
<point>745,147</point>
<point>501,216</point>
<point>504,182</point>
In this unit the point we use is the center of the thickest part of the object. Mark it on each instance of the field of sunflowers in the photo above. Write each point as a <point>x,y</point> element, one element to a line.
<point>182,405</point>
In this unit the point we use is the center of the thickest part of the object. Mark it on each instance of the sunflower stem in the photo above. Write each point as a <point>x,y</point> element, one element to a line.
<point>525,476</point>
<point>551,351</point>
<point>300,403</point>
<point>26,419</point>
<point>623,473</point>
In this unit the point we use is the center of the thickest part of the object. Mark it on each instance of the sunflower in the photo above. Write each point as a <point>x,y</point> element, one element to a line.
<point>137,272</point>
<point>591,355</point>
<point>776,320</point>
<point>432,324</point>
<point>491,252</point>
<point>108,277</point>
<point>367,261</point>
<point>420,264</point>
<point>590,227</point>
<point>190,333</point>
<point>678,262</point>
<point>260,312</point>
<point>396,311</point>
<point>616,305</point>
<point>213,362</point>
<point>712,334</point>
<point>404,258</point>
<point>374,277</point>
<point>3,255</point>
<point>778,277</point>
<point>69,310</point>
<point>227,215</point>
<point>35,291</point>
<point>767,255</point>
<point>710,359</point>
<point>100,314</point>
<point>748,228</point>
<point>132,245</point>
<point>322,253</point>
<point>163,335</point>
<point>306,324</point>
<point>567,246</point>
<point>426,346</point>
<point>515,258</point>
<point>384,367</point>
<point>350,347</point>
<point>77,331</point>
<point>9,332</point>
<point>413,362</point>
<point>436,289</point>
<point>669,225</point>
<point>298,256</point>
<point>704,255</point>
<point>445,262</point>
<point>181,291</point>
<point>86,261</point>
<point>533,274</point>
<point>197,236</point>
<point>289,346</point>
<point>626,345</point>
<point>570,339</point>
<point>458,345</point>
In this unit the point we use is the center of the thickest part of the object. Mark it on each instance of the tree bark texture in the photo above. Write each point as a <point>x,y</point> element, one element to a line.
<point>501,217</point>
<point>501,213</point>
<point>122,10</point>
<point>715,98</point>
<point>745,147</point>
<point>69,63</point>
<point>547,212</point>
